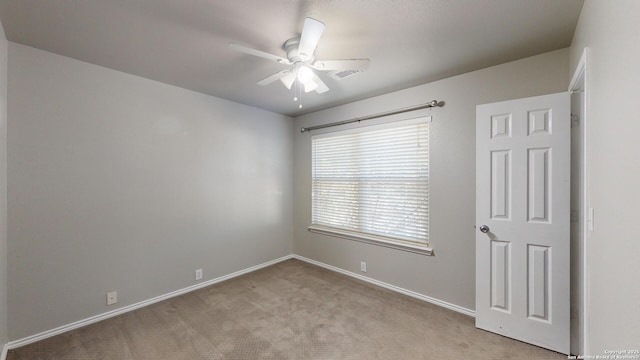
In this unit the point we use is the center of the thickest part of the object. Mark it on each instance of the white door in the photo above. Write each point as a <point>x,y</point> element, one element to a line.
<point>522,219</point>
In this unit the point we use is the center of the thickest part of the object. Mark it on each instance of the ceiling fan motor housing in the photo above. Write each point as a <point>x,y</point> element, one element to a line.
<point>291,47</point>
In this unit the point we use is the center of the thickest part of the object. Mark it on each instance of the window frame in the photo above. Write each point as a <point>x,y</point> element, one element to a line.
<point>374,239</point>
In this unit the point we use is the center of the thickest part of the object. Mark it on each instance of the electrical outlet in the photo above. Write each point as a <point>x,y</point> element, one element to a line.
<point>363,266</point>
<point>112,297</point>
<point>198,274</point>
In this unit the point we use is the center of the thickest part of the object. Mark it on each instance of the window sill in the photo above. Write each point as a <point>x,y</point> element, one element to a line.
<point>371,239</point>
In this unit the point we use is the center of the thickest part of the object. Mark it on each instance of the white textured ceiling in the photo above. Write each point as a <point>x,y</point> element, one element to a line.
<point>184,42</point>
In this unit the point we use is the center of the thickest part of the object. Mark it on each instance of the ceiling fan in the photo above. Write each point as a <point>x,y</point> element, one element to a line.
<point>300,55</point>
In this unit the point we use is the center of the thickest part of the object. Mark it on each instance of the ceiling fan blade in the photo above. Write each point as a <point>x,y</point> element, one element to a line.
<point>347,64</point>
<point>277,76</point>
<point>322,87</point>
<point>288,79</point>
<point>311,33</point>
<point>258,53</point>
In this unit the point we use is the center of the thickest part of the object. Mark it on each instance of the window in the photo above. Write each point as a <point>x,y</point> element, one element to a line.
<point>372,184</point>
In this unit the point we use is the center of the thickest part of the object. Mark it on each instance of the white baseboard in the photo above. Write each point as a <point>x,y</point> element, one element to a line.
<point>398,289</point>
<point>59,330</point>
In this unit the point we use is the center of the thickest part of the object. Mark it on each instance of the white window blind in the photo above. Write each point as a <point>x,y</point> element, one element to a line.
<point>374,180</point>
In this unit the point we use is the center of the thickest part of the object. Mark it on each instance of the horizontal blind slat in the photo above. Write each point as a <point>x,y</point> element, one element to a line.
<point>375,182</point>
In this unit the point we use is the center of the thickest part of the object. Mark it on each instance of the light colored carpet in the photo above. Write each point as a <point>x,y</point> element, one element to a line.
<point>291,310</point>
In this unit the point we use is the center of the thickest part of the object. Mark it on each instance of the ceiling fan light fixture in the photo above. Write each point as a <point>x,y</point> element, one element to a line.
<point>302,64</point>
<point>310,86</point>
<point>288,79</point>
<point>305,74</point>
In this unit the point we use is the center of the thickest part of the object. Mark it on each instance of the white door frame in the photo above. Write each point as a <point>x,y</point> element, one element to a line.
<point>579,84</point>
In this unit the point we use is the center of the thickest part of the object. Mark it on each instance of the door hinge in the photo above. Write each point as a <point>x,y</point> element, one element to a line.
<point>574,216</point>
<point>575,120</point>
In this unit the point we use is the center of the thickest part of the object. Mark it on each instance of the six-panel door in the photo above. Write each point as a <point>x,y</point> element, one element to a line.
<point>522,195</point>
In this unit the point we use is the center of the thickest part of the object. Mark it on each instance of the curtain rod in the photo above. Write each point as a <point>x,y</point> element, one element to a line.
<point>430,104</point>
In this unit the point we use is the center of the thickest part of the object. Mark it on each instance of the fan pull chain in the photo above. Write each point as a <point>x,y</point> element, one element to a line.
<point>297,93</point>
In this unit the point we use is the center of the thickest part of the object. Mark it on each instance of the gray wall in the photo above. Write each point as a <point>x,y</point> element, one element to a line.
<point>3,188</point>
<point>121,183</point>
<point>449,275</point>
<point>611,31</point>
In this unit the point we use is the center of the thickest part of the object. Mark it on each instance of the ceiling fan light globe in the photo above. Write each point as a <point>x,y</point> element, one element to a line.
<point>305,74</point>
<point>310,86</point>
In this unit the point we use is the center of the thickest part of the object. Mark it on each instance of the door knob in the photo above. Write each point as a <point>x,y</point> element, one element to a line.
<point>484,229</point>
